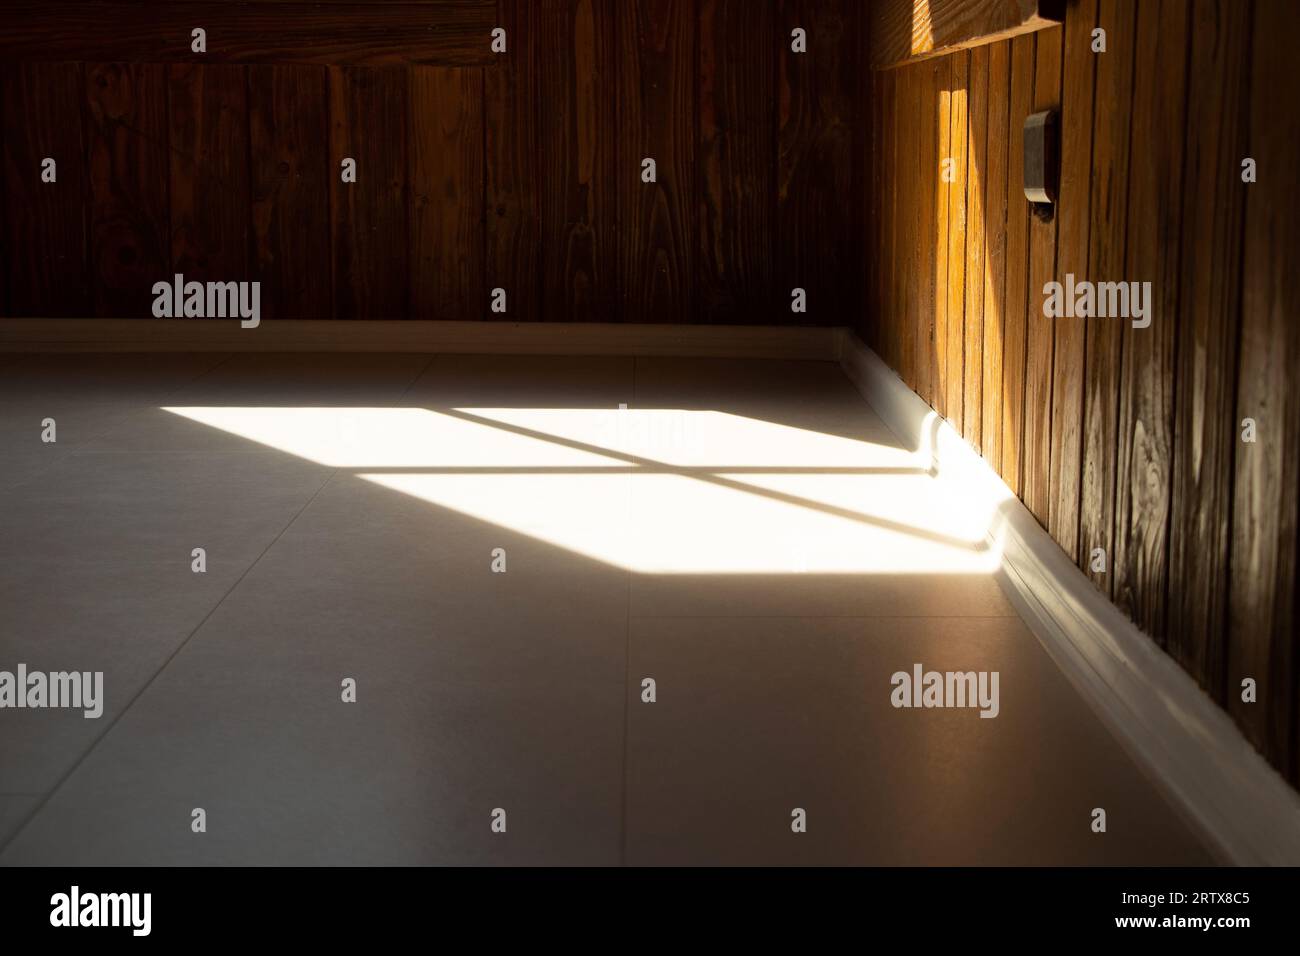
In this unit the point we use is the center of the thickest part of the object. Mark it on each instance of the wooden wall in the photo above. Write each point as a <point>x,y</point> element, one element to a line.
<point>475,170</point>
<point>1122,439</point>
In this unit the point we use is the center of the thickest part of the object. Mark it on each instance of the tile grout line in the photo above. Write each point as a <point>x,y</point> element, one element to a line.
<point>27,820</point>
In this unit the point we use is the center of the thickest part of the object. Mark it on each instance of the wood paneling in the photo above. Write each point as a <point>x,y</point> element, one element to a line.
<point>448,32</point>
<point>208,185</point>
<point>513,203</point>
<point>1040,331</point>
<point>290,162</point>
<point>736,163</point>
<point>1072,215</point>
<point>815,92</point>
<point>958,91</point>
<point>1145,476</point>
<point>1013,319</point>
<point>656,220</point>
<point>446,192</point>
<point>1209,298</point>
<point>1124,440</point>
<point>903,30</point>
<point>1107,242</point>
<point>994,175</point>
<point>368,123</point>
<point>1262,633</point>
<point>127,128</point>
<point>45,224</point>
<point>576,87</point>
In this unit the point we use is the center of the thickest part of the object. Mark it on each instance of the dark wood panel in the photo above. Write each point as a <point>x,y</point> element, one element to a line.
<point>44,238</point>
<point>512,259</point>
<point>209,149</point>
<point>446,177</point>
<point>995,235</point>
<point>451,32</point>
<point>368,123</point>
<point>814,168</point>
<point>737,163</point>
<point>1146,386</point>
<point>576,87</point>
<point>1040,331</point>
<point>977,112</point>
<point>656,234</point>
<point>903,30</point>
<point>1106,262</point>
<point>1074,209</point>
<point>290,162</point>
<point>1263,629</point>
<point>1208,322</point>
<point>126,115</point>
<point>1013,335</point>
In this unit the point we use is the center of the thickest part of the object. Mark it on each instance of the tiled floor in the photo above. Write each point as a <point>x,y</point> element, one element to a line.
<point>745,533</point>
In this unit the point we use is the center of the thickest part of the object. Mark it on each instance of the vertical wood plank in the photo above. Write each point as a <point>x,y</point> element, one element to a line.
<point>995,237</point>
<point>977,112</point>
<point>513,183</point>
<point>1107,244</point>
<point>44,239</point>
<point>1264,540</point>
<point>1073,211</point>
<point>956,291</point>
<point>368,123</point>
<point>1013,336</point>
<point>210,207</point>
<point>446,177</point>
<point>290,162</point>
<point>1208,323</point>
<point>1144,481</point>
<point>737,83</point>
<point>126,114</point>
<point>917,218</point>
<point>939,241</point>
<point>578,75</point>
<point>1039,329</point>
<point>814,165</point>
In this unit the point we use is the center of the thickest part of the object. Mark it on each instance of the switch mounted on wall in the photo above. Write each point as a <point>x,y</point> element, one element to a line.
<point>1042,162</point>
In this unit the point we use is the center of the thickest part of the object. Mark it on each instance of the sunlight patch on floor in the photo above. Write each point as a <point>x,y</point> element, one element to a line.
<point>658,491</point>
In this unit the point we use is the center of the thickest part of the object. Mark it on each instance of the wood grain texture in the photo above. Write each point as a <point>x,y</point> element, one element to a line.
<point>977,112</point>
<point>1107,240</point>
<point>1018,293</point>
<point>579,224</point>
<point>45,224</point>
<point>1263,622</point>
<point>368,123</point>
<point>1040,331</point>
<point>290,164</point>
<point>512,258</point>
<point>657,234</point>
<point>1205,431</point>
<point>446,189</point>
<point>1144,482</point>
<point>126,117</point>
<point>450,32</point>
<point>956,282</point>
<point>919,164</point>
<point>209,151</point>
<point>939,390</point>
<point>995,236</point>
<point>814,166</point>
<point>904,30</point>
<point>737,164</point>
<point>1074,211</point>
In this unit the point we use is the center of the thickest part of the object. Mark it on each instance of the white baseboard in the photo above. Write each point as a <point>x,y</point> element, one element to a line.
<point>1240,806</point>
<point>501,338</point>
